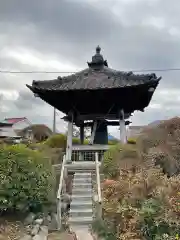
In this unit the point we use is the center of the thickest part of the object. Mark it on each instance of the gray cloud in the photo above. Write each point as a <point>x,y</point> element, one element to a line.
<point>52,27</point>
<point>133,35</point>
<point>27,100</point>
<point>68,27</point>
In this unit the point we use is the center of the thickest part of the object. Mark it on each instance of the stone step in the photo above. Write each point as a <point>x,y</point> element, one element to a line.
<point>82,175</point>
<point>81,205</point>
<point>85,185</point>
<point>78,170</point>
<point>82,191</point>
<point>80,220</point>
<point>87,212</point>
<point>81,198</point>
<point>85,180</point>
<point>81,213</point>
<point>82,180</point>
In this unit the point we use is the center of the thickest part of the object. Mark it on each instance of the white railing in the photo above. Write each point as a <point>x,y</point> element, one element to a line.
<point>60,188</point>
<point>99,210</point>
<point>86,155</point>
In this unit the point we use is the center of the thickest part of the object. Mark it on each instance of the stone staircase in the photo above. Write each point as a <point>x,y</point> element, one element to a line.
<point>81,209</point>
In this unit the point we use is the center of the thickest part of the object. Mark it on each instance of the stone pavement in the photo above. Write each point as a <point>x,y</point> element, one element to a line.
<point>83,234</point>
<point>62,236</point>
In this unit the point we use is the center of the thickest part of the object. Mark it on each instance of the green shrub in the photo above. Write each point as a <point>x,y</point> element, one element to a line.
<point>86,142</point>
<point>57,141</point>
<point>115,156</point>
<point>1,141</point>
<point>110,162</point>
<point>26,179</point>
<point>103,230</point>
<point>54,154</point>
<point>131,141</point>
<point>60,141</point>
<point>152,226</point>
<point>112,142</point>
<point>76,141</point>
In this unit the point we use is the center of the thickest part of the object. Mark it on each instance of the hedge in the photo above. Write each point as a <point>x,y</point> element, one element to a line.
<point>56,141</point>
<point>60,140</point>
<point>26,179</point>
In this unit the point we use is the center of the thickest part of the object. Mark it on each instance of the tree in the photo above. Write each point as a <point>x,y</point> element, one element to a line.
<point>76,132</point>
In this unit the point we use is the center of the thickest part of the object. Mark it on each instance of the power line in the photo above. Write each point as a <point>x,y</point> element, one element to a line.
<point>4,71</point>
<point>70,72</point>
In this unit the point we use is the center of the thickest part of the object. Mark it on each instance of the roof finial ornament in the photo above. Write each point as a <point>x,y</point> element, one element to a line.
<point>98,49</point>
<point>97,60</point>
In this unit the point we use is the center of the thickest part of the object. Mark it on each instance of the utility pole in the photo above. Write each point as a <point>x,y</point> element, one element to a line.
<point>54,121</point>
<point>1,99</point>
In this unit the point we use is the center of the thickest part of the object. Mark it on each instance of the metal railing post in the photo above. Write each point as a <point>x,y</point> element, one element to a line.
<point>98,186</point>
<point>59,217</point>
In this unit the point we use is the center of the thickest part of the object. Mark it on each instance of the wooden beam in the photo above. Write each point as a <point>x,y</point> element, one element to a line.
<point>79,121</point>
<point>109,123</point>
<point>100,117</point>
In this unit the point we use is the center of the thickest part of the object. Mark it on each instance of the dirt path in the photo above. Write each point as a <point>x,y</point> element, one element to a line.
<point>62,236</point>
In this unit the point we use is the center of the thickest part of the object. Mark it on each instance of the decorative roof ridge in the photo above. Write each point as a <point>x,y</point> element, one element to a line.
<point>131,73</point>
<point>34,82</point>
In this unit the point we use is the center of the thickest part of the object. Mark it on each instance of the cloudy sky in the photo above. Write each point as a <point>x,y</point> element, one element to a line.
<point>61,35</point>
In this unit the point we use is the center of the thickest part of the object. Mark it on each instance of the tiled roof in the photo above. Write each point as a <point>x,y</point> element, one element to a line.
<point>93,79</point>
<point>5,123</point>
<point>97,76</point>
<point>14,120</point>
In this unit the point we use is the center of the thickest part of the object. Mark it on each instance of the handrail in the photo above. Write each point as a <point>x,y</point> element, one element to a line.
<point>59,193</point>
<point>98,185</point>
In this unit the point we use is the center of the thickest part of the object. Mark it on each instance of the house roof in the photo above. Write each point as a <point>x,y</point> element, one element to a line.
<point>5,124</point>
<point>40,129</point>
<point>14,120</point>
<point>97,76</point>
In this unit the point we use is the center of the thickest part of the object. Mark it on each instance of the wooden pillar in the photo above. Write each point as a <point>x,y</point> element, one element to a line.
<point>82,134</point>
<point>123,136</point>
<point>69,140</point>
<point>93,132</point>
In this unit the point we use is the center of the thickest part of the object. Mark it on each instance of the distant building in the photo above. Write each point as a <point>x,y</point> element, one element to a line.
<point>36,132</point>
<point>10,127</point>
